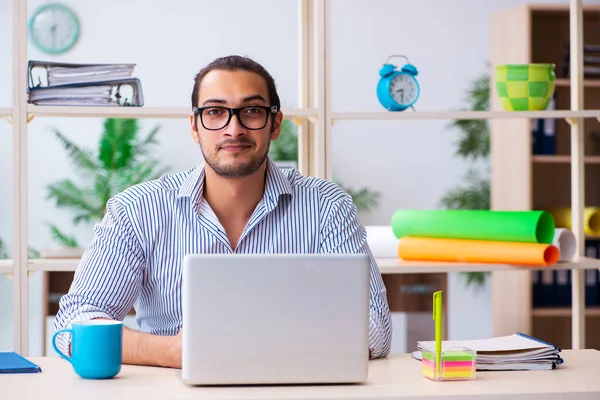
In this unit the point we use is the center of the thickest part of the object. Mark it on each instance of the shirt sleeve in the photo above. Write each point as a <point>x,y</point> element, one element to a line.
<point>108,279</point>
<point>344,233</point>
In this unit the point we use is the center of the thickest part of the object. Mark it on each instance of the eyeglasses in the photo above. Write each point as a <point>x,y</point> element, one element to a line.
<point>214,118</point>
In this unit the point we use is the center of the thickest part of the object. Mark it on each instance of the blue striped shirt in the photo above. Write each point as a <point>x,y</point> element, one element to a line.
<point>135,257</point>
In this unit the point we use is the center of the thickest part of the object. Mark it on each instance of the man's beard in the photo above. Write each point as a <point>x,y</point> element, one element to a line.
<point>237,170</point>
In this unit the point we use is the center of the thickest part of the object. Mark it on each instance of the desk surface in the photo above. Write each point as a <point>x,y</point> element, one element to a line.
<point>394,377</point>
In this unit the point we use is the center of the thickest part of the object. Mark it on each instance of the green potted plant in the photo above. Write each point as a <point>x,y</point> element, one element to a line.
<point>285,150</point>
<point>122,159</point>
<point>3,250</point>
<point>474,146</point>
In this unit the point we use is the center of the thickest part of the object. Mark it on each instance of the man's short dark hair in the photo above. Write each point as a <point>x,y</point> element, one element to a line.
<point>237,63</point>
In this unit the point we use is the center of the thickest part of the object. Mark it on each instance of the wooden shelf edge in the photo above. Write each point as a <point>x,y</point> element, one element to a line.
<point>591,311</point>
<point>462,115</point>
<point>588,83</point>
<point>6,266</point>
<point>5,112</point>
<point>562,159</point>
<point>560,7</point>
<point>386,266</point>
<point>397,266</point>
<point>135,112</point>
<point>53,264</point>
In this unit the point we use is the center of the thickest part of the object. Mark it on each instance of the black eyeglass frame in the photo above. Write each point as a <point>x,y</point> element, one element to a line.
<point>236,112</point>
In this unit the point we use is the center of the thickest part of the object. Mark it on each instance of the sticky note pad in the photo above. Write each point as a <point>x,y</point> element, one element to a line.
<point>456,364</point>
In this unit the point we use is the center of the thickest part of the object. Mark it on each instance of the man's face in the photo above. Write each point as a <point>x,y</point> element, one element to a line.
<point>234,151</point>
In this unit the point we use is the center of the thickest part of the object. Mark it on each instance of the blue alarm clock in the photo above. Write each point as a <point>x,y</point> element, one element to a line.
<point>398,90</point>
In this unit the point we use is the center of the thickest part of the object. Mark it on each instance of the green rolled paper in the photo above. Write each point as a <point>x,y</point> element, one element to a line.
<point>507,226</point>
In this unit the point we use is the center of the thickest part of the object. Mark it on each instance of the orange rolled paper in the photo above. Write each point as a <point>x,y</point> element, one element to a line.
<point>484,251</point>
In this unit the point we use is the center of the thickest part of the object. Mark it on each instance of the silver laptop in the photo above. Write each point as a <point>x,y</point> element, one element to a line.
<point>275,319</point>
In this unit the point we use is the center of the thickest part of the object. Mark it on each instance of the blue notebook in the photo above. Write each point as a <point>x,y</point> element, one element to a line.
<point>13,363</point>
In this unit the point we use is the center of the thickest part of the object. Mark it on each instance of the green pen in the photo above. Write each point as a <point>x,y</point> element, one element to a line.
<point>437,317</point>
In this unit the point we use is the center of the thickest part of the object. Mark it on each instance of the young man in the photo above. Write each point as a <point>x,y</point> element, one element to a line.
<point>236,201</point>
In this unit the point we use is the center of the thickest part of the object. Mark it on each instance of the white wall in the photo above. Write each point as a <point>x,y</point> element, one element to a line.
<point>411,163</point>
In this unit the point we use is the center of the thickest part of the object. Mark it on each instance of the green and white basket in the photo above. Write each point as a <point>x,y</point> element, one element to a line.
<point>523,87</point>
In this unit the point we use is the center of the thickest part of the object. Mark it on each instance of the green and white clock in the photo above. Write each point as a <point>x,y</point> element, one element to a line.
<point>54,28</point>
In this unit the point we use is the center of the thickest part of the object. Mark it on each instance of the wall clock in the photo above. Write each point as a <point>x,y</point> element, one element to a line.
<point>54,28</point>
<point>398,90</point>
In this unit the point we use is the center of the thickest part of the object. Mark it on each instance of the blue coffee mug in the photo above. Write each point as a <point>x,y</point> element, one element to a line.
<point>96,348</point>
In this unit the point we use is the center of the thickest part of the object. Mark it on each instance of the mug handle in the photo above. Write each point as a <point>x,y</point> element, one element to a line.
<point>64,356</point>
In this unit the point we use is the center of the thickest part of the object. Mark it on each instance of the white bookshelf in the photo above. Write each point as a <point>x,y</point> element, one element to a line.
<point>521,180</point>
<point>135,112</point>
<point>315,145</point>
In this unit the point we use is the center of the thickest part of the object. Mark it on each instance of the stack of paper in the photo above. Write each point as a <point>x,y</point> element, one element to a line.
<point>59,75</point>
<point>64,84</point>
<point>514,352</point>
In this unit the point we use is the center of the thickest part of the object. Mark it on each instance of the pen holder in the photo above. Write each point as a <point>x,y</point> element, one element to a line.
<point>457,364</point>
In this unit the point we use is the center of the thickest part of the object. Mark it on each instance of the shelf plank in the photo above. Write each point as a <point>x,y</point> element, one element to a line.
<point>462,115</point>
<point>53,264</point>
<point>563,159</point>
<point>563,8</point>
<point>6,266</point>
<point>588,83</point>
<point>386,266</point>
<point>563,312</point>
<point>5,112</point>
<point>135,112</point>
<point>397,266</point>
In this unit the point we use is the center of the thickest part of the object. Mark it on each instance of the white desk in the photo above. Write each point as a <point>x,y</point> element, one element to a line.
<point>395,377</point>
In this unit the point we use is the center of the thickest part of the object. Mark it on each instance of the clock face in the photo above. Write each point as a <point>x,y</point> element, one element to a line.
<point>54,28</point>
<point>403,89</point>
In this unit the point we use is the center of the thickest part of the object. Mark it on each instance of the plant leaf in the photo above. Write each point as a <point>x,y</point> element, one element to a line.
<point>475,195</point>
<point>364,199</point>
<point>285,148</point>
<point>33,253</point>
<point>80,157</point>
<point>474,141</point>
<point>68,195</point>
<point>61,238</point>
<point>117,143</point>
<point>3,250</point>
<point>475,279</point>
<point>143,148</point>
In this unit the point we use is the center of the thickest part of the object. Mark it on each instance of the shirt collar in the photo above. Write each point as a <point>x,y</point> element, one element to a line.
<point>277,184</point>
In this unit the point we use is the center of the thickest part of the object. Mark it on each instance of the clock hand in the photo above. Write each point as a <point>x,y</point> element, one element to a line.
<point>401,94</point>
<point>53,30</point>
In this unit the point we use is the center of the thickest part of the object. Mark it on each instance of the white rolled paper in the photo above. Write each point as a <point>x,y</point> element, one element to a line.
<point>382,241</point>
<point>564,239</point>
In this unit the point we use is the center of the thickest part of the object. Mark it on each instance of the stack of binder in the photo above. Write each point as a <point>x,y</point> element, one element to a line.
<point>553,288</point>
<point>65,84</point>
<point>591,61</point>
<point>543,132</point>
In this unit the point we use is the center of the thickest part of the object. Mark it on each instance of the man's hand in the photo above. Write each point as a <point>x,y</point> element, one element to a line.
<point>175,348</point>
<point>153,350</point>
